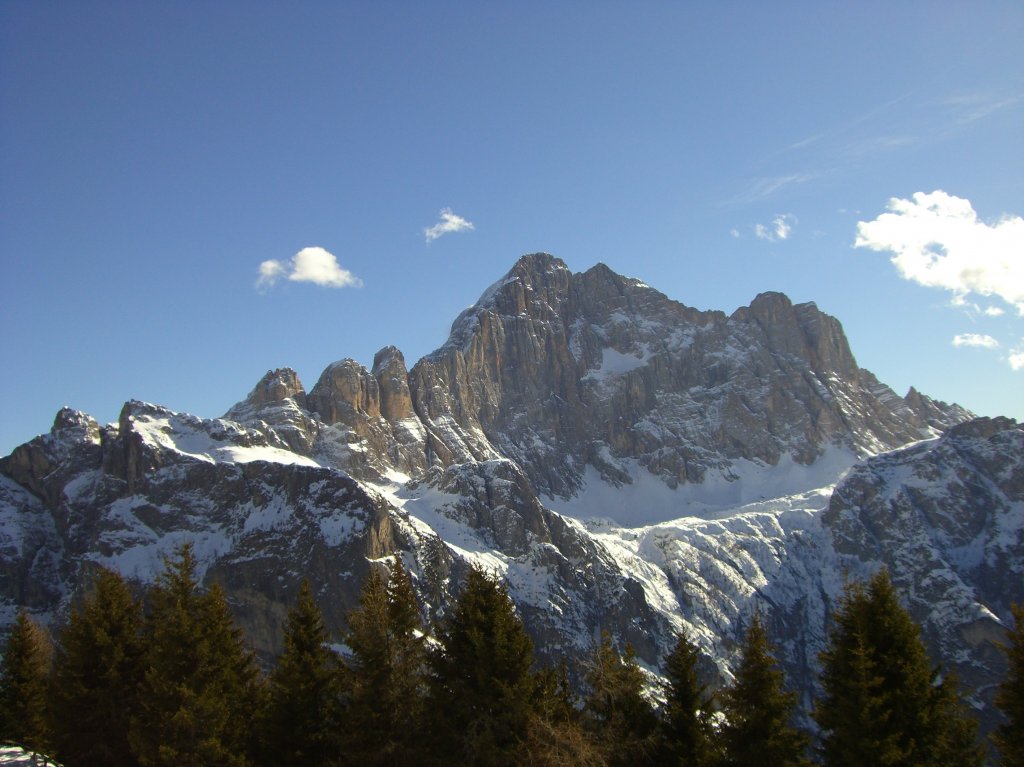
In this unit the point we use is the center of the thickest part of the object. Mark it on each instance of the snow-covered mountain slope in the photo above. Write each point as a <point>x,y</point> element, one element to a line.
<point>946,517</point>
<point>626,463</point>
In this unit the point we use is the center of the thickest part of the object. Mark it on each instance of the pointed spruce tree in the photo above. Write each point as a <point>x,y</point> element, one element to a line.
<point>685,727</point>
<point>758,711</point>
<point>97,671</point>
<point>304,693</point>
<point>619,718</point>
<point>481,690</point>
<point>1009,736</point>
<point>199,694</point>
<point>387,674</point>
<point>881,702</point>
<point>24,676</point>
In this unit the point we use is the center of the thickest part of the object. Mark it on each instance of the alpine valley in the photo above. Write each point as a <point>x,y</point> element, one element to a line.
<point>624,462</point>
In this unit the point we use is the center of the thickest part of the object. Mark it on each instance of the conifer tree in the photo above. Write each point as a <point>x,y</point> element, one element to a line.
<point>23,686</point>
<point>757,729</point>
<point>956,741</point>
<point>555,736</point>
<point>615,712</point>
<point>387,671</point>
<point>686,730</point>
<point>199,693</point>
<point>1009,736</point>
<point>481,690</point>
<point>304,707</point>
<point>880,702</point>
<point>97,672</point>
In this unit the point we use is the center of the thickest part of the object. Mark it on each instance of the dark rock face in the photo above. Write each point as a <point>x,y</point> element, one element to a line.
<point>557,370</point>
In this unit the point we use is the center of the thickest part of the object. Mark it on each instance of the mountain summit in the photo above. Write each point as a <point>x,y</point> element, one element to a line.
<point>594,379</point>
<point>625,462</point>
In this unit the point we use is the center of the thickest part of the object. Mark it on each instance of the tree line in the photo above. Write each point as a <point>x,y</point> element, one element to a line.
<point>169,680</point>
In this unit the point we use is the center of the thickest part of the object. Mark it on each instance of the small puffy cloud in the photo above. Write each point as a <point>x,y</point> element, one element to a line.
<point>937,240</point>
<point>1017,360</point>
<point>270,272</point>
<point>994,311</point>
<point>975,339</point>
<point>449,222</point>
<point>779,229</point>
<point>314,265</point>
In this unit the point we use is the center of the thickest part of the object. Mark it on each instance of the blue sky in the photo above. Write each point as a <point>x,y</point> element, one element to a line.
<point>164,165</point>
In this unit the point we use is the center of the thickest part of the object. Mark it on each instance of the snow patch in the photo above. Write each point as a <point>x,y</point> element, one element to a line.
<point>192,437</point>
<point>647,499</point>
<point>615,363</point>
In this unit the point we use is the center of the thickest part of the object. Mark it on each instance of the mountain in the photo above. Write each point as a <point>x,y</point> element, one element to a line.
<point>626,463</point>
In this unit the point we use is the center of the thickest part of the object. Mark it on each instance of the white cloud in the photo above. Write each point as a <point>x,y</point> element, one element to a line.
<point>975,339</point>
<point>779,229</point>
<point>994,311</point>
<point>450,222</point>
<point>938,241</point>
<point>735,233</point>
<point>1017,360</point>
<point>270,272</point>
<point>314,265</point>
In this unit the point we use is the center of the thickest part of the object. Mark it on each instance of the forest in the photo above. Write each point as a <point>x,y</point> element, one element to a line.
<point>165,678</point>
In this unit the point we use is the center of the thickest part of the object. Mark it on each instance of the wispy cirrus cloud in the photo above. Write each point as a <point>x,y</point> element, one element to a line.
<point>938,240</point>
<point>908,120</point>
<point>313,264</point>
<point>971,107</point>
<point>449,222</point>
<point>763,188</point>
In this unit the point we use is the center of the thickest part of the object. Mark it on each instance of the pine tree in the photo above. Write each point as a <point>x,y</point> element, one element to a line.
<point>758,710</point>
<point>481,691</point>
<point>23,686</point>
<point>881,704</point>
<point>1009,736</point>
<point>956,741</point>
<point>685,729</point>
<point>97,672</point>
<point>387,671</point>
<point>304,710</point>
<point>555,736</point>
<point>621,721</point>
<point>199,693</point>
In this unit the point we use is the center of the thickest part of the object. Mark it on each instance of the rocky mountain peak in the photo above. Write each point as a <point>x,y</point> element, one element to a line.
<point>933,414</point>
<point>275,386</point>
<point>277,407</point>
<point>69,421</point>
<point>344,388</point>
<point>393,384</point>
<point>534,288</point>
<point>562,371</point>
